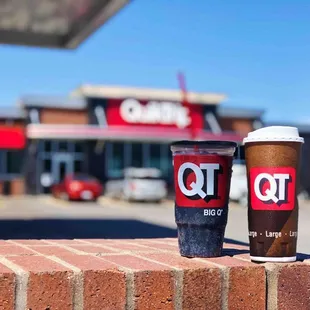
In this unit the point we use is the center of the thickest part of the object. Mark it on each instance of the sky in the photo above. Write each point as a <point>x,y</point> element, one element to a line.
<point>255,52</point>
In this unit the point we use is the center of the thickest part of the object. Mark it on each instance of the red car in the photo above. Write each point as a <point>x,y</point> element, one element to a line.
<point>78,187</point>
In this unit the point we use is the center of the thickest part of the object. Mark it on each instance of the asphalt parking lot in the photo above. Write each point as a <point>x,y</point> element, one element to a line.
<point>46,217</point>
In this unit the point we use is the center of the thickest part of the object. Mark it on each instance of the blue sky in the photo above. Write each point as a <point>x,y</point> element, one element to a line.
<point>256,52</point>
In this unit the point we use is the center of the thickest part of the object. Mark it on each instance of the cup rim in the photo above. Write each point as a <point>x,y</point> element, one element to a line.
<point>206,143</point>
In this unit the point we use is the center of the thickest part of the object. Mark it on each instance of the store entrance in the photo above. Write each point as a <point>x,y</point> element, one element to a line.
<point>62,165</point>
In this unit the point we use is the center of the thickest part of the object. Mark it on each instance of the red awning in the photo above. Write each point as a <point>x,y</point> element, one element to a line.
<point>12,138</point>
<point>121,133</point>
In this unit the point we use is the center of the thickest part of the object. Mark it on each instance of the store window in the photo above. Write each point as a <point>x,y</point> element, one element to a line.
<point>47,165</point>
<point>166,162</point>
<point>79,147</point>
<point>239,156</point>
<point>115,159</point>
<point>155,156</point>
<point>136,155</point>
<point>47,146</point>
<point>63,146</point>
<point>14,162</point>
<point>78,166</point>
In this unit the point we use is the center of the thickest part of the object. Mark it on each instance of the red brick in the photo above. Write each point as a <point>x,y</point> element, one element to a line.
<point>202,289</point>
<point>7,288</point>
<point>104,284</point>
<point>172,241</point>
<point>12,249</point>
<point>247,288</point>
<point>29,242</point>
<point>97,241</point>
<point>245,256</point>
<point>201,281</point>
<point>235,249</point>
<point>246,283</point>
<point>160,246</point>
<point>177,261</point>
<point>154,290</point>
<point>153,283</point>
<point>4,242</point>
<point>49,283</point>
<point>229,261</point>
<point>294,287</point>
<point>50,249</point>
<point>91,249</point>
<point>128,247</point>
<point>63,241</point>
<point>236,246</point>
<point>132,262</point>
<point>87,262</point>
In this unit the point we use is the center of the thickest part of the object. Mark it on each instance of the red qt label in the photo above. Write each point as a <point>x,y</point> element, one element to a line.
<point>273,188</point>
<point>202,181</point>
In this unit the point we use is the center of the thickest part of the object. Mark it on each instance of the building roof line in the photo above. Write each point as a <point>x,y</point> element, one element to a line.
<point>239,112</point>
<point>103,91</point>
<point>70,103</point>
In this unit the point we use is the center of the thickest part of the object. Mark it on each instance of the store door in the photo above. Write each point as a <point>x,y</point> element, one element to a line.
<point>62,166</point>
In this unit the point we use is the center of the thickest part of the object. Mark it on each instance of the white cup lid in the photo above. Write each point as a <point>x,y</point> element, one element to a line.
<point>274,133</point>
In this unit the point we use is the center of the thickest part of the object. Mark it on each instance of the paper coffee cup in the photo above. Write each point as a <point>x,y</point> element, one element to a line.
<point>273,161</point>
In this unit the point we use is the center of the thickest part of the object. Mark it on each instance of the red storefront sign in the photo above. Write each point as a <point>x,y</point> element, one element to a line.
<point>12,138</point>
<point>129,112</point>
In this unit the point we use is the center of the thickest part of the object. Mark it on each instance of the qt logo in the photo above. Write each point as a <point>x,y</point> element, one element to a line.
<point>201,181</point>
<point>272,188</point>
<point>205,184</point>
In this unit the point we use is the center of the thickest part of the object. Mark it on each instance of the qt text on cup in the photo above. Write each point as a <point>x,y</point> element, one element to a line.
<point>272,188</point>
<point>202,182</point>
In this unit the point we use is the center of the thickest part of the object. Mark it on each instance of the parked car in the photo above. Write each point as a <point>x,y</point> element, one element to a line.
<point>78,187</point>
<point>138,184</point>
<point>238,187</point>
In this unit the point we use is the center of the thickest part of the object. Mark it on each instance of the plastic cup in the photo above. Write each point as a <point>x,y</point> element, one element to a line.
<point>202,174</point>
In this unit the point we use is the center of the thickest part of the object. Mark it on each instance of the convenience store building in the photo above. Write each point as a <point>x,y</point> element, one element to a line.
<point>100,130</point>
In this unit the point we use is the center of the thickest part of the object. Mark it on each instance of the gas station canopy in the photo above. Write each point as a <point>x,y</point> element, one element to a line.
<point>53,23</point>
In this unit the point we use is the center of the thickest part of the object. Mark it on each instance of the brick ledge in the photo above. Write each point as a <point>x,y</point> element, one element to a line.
<point>142,274</point>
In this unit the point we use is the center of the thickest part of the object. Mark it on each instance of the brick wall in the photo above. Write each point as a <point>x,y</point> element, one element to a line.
<point>17,187</point>
<point>61,116</point>
<point>16,123</point>
<point>143,274</point>
<point>241,126</point>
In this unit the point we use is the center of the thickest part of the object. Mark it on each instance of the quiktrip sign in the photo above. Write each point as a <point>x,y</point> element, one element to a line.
<point>133,112</point>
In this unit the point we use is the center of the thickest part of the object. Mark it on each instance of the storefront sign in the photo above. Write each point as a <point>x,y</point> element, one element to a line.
<point>12,138</point>
<point>163,113</point>
<point>155,112</point>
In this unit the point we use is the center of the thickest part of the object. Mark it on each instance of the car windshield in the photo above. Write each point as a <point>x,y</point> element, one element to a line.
<point>83,177</point>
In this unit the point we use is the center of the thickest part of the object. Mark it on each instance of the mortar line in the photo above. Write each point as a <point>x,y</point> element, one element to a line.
<point>225,287</point>
<point>272,272</point>
<point>78,281</point>
<point>224,281</point>
<point>130,290</point>
<point>21,284</point>
<point>178,276</point>
<point>74,251</point>
<point>112,248</point>
<point>178,288</point>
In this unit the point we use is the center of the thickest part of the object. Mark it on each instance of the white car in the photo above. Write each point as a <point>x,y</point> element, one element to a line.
<point>238,187</point>
<point>138,184</point>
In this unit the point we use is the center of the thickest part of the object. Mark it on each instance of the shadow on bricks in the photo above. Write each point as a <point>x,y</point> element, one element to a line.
<point>302,256</point>
<point>82,229</point>
<point>90,228</point>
